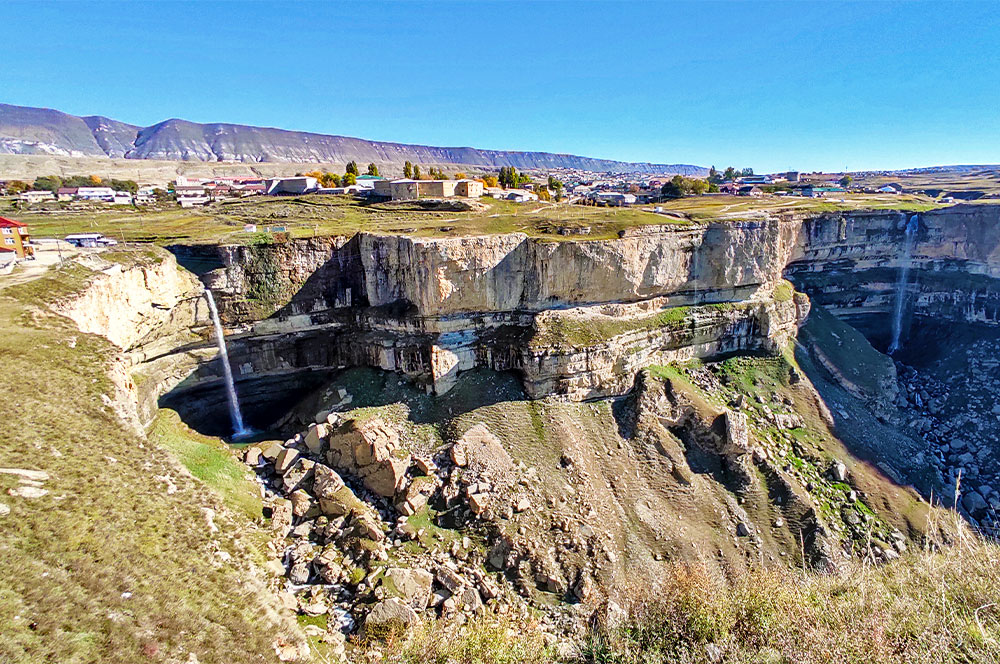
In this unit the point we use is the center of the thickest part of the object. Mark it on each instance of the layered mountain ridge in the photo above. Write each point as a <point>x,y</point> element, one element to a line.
<point>40,131</point>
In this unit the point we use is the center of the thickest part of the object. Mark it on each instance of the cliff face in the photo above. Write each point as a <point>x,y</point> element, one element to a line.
<point>572,318</point>
<point>851,264</point>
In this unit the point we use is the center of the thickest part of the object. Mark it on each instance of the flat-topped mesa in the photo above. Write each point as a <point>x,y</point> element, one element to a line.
<point>573,317</point>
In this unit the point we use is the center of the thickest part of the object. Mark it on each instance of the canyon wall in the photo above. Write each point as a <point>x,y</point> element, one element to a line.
<point>851,263</point>
<point>576,318</point>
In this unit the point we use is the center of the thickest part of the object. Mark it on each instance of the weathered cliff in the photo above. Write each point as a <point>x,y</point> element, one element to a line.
<point>572,318</point>
<point>851,263</point>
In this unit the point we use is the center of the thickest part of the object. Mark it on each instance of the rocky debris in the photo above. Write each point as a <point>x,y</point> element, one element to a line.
<point>839,471</point>
<point>413,586</point>
<point>389,618</point>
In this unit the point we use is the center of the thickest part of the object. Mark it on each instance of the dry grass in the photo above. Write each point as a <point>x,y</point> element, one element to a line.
<point>927,607</point>
<point>117,562</point>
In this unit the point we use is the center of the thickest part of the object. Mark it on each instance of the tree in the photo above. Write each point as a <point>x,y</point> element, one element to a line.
<point>556,186</point>
<point>407,170</point>
<point>746,172</point>
<point>713,188</point>
<point>729,175</point>
<point>17,187</point>
<point>348,179</point>
<point>846,181</point>
<point>373,170</point>
<point>676,188</point>
<point>95,181</point>
<point>459,175</point>
<point>713,176</point>
<point>329,180</point>
<point>352,167</point>
<point>47,183</point>
<point>416,172</point>
<point>490,181</point>
<point>131,186</point>
<point>699,187</point>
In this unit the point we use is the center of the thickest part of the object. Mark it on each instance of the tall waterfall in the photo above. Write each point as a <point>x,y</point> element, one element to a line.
<point>904,276</point>
<point>220,340</point>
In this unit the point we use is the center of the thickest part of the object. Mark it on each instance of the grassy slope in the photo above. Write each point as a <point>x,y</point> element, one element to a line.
<point>109,565</point>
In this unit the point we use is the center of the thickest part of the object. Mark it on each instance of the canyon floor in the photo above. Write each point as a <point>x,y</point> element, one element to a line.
<point>730,472</point>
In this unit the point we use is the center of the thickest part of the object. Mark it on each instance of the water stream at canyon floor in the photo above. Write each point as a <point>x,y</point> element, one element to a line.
<point>901,284</point>
<point>239,430</point>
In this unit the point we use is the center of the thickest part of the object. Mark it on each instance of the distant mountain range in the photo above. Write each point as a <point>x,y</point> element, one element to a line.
<point>42,131</point>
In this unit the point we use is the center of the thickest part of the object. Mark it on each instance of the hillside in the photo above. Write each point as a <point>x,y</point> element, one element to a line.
<point>40,131</point>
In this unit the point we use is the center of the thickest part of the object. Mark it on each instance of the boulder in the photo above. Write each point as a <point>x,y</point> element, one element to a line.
<point>387,477</point>
<point>254,456</point>
<point>271,452</point>
<point>839,471</point>
<point>413,586</point>
<point>315,438</point>
<point>389,618</point>
<point>285,459</point>
<point>326,482</point>
<point>479,502</point>
<point>297,474</point>
<point>302,502</point>
<point>450,579</point>
<point>281,516</point>
<point>973,502</point>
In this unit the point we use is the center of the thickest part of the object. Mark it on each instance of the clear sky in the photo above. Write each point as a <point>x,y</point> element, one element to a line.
<point>805,85</point>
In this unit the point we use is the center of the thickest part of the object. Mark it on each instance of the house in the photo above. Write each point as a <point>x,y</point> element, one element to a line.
<point>406,189</point>
<point>15,237</point>
<point>145,195</point>
<point>616,198</point>
<point>750,190</point>
<point>755,179</point>
<point>290,186</point>
<point>122,198</point>
<point>469,188</point>
<point>66,193</point>
<point>520,196</point>
<point>101,194</point>
<point>90,240</point>
<point>812,191</point>
<point>728,188</point>
<point>889,189</point>
<point>37,196</point>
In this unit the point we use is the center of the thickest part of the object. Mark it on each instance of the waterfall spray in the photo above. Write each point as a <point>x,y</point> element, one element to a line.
<point>904,275</point>
<point>220,340</point>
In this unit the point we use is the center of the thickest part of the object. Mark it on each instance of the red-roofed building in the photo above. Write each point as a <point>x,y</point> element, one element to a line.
<point>14,237</point>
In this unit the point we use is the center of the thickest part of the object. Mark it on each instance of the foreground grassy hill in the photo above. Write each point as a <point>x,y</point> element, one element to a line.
<point>110,550</point>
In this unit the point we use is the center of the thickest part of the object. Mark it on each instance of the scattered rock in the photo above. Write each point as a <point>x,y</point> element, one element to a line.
<point>388,618</point>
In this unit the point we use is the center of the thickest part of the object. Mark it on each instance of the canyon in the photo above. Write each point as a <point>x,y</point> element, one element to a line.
<point>503,419</point>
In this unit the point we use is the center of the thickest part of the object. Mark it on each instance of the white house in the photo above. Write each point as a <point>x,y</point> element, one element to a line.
<point>888,189</point>
<point>105,194</point>
<point>37,196</point>
<point>297,185</point>
<point>519,196</point>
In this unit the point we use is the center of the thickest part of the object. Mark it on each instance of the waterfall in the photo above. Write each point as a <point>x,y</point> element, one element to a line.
<point>220,340</point>
<point>904,275</point>
<point>693,271</point>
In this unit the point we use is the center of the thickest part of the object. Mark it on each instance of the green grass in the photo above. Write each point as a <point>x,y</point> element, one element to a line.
<point>210,461</point>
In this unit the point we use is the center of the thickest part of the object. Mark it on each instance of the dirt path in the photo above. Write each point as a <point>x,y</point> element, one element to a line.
<point>46,256</point>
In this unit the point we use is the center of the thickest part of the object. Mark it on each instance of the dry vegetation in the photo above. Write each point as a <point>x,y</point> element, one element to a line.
<point>308,216</point>
<point>116,561</point>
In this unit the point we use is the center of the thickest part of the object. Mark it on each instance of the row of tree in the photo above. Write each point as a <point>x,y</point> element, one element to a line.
<point>729,175</point>
<point>54,182</point>
<point>681,186</point>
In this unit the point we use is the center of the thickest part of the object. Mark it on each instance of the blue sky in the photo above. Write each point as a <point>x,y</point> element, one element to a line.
<point>806,85</point>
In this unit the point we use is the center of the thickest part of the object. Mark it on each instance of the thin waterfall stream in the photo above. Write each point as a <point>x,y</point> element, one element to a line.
<point>234,403</point>
<point>904,276</point>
